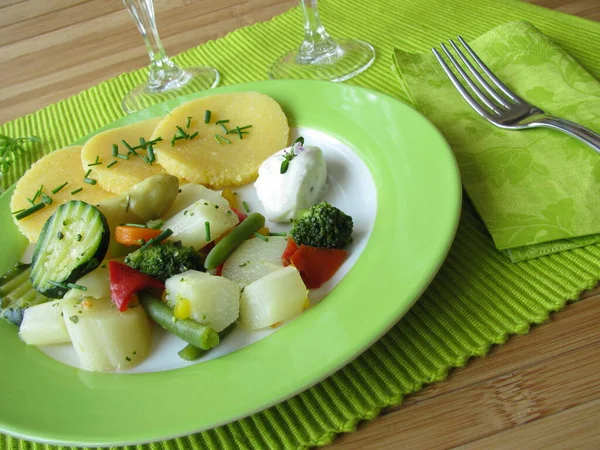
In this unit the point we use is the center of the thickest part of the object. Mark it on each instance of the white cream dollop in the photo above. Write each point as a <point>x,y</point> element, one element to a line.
<point>301,186</point>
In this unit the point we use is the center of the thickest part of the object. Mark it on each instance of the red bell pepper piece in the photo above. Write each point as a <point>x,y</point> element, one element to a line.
<point>290,249</point>
<point>241,215</point>
<point>317,265</point>
<point>125,282</point>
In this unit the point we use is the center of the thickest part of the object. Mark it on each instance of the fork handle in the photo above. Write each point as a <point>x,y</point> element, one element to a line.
<point>585,135</point>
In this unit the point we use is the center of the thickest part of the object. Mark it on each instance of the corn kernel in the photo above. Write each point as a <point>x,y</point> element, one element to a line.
<point>228,195</point>
<point>306,304</point>
<point>264,231</point>
<point>183,309</point>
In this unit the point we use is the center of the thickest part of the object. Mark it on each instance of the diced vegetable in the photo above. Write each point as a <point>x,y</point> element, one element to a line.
<point>191,353</point>
<point>72,243</point>
<point>201,336</point>
<point>190,225</point>
<point>317,265</point>
<point>254,259</point>
<point>97,282</point>
<point>165,260</point>
<point>239,234</point>
<point>44,325</point>
<point>212,300</point>
<point>17,294</point>
<point>190,194</point>
<point>128,235</point>
<point>241,215</point>
<point>125,282</point>
<point>277,297</point>
<point>105,338</point>
<point>290,249</point>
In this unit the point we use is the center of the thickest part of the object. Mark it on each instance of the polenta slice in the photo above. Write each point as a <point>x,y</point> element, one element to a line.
<point>126,173</point>
<point>53,170</point>
<point>226,159</point>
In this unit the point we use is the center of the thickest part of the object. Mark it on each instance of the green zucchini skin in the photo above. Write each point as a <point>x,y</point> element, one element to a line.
<point>17,294</point>
<point>73,242</point>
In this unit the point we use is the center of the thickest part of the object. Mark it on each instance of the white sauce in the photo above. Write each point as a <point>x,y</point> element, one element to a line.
<point>284,196</point>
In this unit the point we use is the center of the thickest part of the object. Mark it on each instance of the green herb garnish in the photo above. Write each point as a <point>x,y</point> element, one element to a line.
<point>89,181</point>
<point>29,211</point>
<point>245,205</point>
<point>161,237</point>
<point>108,166</point>
<point>58,188</point>
<point>264,238</point>
<point>76,191</point>
<point>189,121</point>
<point>207,230</point>
<point>207,114</point>
<point>220,138</point>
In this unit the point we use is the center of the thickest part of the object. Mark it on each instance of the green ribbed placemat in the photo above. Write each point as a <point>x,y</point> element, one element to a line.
<point>478,298</point>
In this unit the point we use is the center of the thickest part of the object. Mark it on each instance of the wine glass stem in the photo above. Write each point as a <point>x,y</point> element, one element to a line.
<point>317,42</point>
<point>162,70</point>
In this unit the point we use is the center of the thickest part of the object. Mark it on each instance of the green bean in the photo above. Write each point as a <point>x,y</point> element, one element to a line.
<point>233,240</point>
<point>189,330</point>
<point>191,353</point>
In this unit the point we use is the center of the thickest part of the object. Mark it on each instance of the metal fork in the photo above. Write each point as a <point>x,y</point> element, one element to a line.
<point>509,110</point>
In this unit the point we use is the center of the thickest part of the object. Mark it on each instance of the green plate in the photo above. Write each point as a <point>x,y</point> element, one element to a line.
<point>418,206</point>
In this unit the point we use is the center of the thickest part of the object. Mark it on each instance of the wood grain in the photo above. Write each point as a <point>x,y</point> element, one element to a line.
<point>541,390</point>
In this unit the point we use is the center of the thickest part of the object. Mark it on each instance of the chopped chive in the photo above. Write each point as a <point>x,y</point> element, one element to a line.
<point>264,238</point>
<point>94,164</point>
<point>89,181</point>
<point>207,116</point>
<point>31,201</point>
<point>97,159</point>
<point>143,143</point>
<point>220,138</point>
<point>161,237</point>
<point>193,135</point>
<point>207,230</point>
<point>129,148</point>
<point>278,234</point>
<point>115,150</point>
<point>77,286</point>
<point>17,212</point>
<point>155,141</point>
<point>87,174</point>
<point>155,224</point>
<point>245,127</point>
<point>29,211</point>
<point>58,188</point>
<point>151,155</point>
<point>37,194</point>
<point>182,133</point>
<point>219,122</point>
<point>46,199</point>
<point>76,191</point>
<point>78,237</point>
<point>225,130</point>
<point>245,205</point>
<point>123,156</point>
<point>128,202</point>
<point>189,121</point>
<point>145,159</point>
<point>108,166</point>
<point>60,235</point>
<point>137,225</point>
<point>58,284</point>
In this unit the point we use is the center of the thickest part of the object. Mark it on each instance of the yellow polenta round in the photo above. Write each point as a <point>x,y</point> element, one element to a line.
<point>127,172</point>
<point>52,171</point>
<point>210,160</point>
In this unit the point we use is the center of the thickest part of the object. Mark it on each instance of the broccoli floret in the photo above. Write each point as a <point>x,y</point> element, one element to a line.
<point>166,260</point>
<point>323,225</point>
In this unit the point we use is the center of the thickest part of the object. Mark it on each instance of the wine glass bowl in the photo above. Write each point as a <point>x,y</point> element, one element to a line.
<point>165,78</point>
<point>320,57</point>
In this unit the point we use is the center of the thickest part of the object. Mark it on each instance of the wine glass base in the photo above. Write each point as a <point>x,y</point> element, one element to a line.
<point>351,58</point>
<point>195,79</point>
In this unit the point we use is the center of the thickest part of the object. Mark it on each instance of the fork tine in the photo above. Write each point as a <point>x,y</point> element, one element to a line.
<point>484,98</point>
<point>479,78</point>
<point>490,74</point>
<point>465,94</point>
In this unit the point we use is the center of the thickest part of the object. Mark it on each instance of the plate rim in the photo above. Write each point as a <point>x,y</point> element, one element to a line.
<point>455,197</point>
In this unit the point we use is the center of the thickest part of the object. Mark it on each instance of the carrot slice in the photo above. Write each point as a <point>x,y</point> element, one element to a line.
<point>133,235</point>
<point>290,249</point>
<point>317,265</point>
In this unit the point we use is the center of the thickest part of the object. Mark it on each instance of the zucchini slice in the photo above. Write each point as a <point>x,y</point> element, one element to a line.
<point>17,294</point>
<point>72,243</point>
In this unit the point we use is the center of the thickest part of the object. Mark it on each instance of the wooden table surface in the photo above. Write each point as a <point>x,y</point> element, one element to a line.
<point>541,390</point>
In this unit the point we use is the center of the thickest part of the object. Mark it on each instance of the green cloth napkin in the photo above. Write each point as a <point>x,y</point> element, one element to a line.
<point>479,298</point>
<point>536,190</point>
